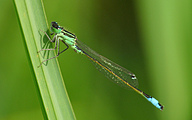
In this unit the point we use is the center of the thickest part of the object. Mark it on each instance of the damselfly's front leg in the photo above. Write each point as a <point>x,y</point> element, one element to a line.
<point>58,51</point>
<point>53,40</point>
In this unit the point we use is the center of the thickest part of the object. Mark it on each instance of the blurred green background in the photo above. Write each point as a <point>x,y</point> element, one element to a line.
<point>152,39</point>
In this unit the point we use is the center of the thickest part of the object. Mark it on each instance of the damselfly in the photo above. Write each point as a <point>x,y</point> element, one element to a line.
<point>111,70</point>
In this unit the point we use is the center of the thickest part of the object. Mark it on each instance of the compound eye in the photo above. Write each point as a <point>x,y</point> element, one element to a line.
<point>55,25</point>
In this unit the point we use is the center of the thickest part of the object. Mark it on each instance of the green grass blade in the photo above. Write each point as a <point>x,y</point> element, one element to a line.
<point>55,101</point>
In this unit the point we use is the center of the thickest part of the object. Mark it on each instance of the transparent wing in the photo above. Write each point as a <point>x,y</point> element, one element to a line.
<point>111,70</point>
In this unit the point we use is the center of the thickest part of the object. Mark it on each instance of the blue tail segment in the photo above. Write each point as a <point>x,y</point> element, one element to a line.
<point>153,101</point>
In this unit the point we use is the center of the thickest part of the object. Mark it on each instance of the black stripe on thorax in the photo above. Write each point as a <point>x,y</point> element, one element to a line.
<point>67,33</point>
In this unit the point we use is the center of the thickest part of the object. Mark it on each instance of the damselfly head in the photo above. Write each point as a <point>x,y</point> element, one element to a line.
<point>55,28</point>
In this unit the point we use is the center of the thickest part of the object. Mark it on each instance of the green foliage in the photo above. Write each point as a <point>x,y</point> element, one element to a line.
<point>150,38</point>
<point>56,104</point>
